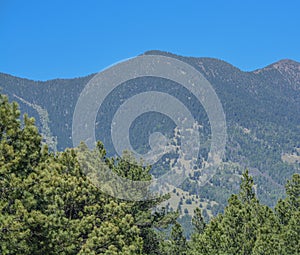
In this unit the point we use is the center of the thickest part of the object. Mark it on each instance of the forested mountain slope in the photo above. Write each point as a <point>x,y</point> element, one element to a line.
<point>262,112</point>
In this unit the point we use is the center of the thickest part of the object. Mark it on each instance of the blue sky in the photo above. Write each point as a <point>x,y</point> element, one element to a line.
<point>49,39</point>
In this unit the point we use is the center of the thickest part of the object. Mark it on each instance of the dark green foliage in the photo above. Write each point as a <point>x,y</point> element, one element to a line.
<point>248,227</point>
<point>48,206</point>
<point>288,212</point>
<point>177,244</point>
<point>261,107</point>
<point>198,222</point>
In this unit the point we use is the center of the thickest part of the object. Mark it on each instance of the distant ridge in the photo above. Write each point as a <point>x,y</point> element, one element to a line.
<point>279,65</point>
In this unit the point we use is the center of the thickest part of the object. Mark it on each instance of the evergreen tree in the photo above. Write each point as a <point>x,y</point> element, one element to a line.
<point>53,204</point>
<point>288,213</point>
<point>245,226</point>
<point>178,241</point>
<point>48,206</point>
<point>198,221</point>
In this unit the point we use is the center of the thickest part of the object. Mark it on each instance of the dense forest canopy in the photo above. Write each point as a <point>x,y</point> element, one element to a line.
<point>262,116</point>
<point>49,206</point>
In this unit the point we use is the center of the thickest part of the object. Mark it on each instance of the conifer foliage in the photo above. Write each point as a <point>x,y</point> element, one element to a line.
<point>49,206</point>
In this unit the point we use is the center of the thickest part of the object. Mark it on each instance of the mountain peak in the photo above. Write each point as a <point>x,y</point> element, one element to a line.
<point>286,64</point>
<point>288,68</point>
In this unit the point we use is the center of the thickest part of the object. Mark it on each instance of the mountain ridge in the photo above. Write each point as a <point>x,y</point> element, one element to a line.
<point>275,65</point>
<point>261,107</point>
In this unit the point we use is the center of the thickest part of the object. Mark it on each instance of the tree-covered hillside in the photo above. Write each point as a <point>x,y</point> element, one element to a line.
<point>49,206</point>
<point>262,113</point>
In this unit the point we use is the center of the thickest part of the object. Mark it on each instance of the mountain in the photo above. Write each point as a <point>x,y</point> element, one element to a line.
<point>262,113</point>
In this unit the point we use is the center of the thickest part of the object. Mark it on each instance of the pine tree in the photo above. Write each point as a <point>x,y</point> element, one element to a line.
<point>246,227</point>
<point>178,241</point>
<point>288,213</point>
<point>48,205</point>
<point>198,222</point>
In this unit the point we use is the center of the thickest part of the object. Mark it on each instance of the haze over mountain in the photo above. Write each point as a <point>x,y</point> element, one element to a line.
<point>262,112</point>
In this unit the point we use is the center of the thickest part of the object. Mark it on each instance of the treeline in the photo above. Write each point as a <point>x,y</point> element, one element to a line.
<point>49,206</point>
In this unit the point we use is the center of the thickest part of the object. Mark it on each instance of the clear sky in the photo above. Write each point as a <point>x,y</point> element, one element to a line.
<point>49,39</point>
